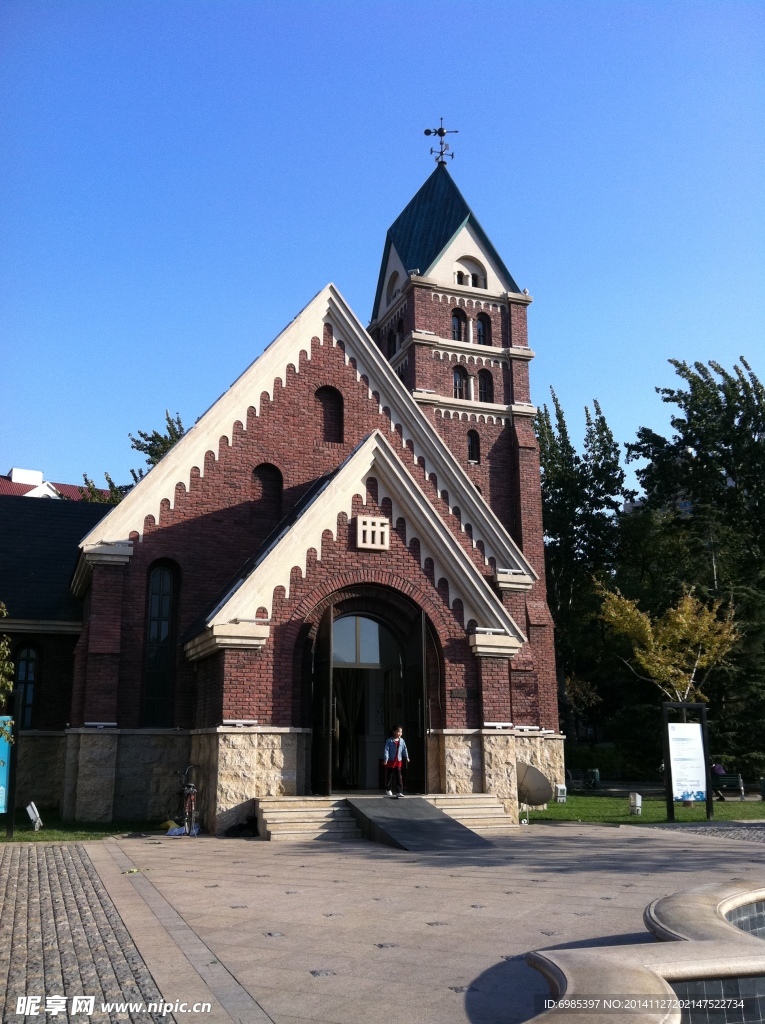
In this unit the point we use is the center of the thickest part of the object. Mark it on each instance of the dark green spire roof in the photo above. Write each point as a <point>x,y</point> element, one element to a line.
<point>426,226</point>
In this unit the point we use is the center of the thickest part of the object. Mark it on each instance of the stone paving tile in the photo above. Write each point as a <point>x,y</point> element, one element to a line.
<point>750,833</point>
<point>60,935</point>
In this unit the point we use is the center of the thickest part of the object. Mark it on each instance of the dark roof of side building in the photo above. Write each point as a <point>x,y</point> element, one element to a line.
<point>427,224</point>
<point>38,554</point>
<point>72,492</point>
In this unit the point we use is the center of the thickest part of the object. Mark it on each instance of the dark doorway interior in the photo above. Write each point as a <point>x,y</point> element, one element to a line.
<point>366,680</point>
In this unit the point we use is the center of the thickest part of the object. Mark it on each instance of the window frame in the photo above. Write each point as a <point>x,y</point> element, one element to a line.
<point>27,702</point>
<point>158,694</point>
<point>459,373</point>
<point>473,448</point>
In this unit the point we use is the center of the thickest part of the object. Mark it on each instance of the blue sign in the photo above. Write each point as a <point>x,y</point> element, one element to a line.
<point>5,764</point>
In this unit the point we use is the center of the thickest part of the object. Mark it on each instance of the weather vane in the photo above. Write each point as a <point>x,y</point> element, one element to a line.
<point>443,150</point>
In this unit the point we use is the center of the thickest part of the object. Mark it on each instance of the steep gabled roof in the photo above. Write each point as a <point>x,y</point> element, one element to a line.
<point>427,224</point>
<point>272,567</point>
<point>327,308</point>
<point>38,553</point>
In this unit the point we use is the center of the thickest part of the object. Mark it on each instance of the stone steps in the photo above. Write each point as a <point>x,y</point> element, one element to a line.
<point>305,818</point>
<point>313,817</point>
<point>483,813</point>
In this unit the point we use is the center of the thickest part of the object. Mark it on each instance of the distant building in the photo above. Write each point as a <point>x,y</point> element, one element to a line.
<point>29,483</point>
<point>350,538</point>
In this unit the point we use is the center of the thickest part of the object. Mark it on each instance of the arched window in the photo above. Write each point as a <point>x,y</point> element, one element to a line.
<point>460,277</point>
<point>160,646</point>
<point>473,446</point>
<point>458,325</point>
<point>26,678</point>
<point>399,335</point>
<point>485,386</point>
<point>392,290</point>
<point>483,329</point>
<point>460,382</point>
<point>267,488</point>
<point>391,343</point>
<point>329,410</point>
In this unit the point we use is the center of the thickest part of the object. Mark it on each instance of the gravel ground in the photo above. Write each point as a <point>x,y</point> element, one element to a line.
<point>751,832</point>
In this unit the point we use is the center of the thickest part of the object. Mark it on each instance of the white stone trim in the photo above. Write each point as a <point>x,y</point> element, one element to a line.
<point>327,307</point>
<point>38,626</point>
<point>241,635</point>
<point>466,408</point>
<point>375,457</point>
<point>112,552</point>
<point>490,645</point>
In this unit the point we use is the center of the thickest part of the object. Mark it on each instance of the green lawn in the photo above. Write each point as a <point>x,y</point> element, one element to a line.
<point>55,831</point>
<point>616,810</point>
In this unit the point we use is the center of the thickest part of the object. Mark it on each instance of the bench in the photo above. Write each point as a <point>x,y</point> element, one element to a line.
<point>720,782</point>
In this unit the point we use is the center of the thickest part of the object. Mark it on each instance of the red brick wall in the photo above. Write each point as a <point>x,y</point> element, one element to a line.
<point>53,683</point>
<point>217,523</point>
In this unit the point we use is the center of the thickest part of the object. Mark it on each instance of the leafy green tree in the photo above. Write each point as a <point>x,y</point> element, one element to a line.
<point>6,672</point>
<point>156,445</point>
<point>676,649</point>
<point>153,445</point>
<point>581,497</point>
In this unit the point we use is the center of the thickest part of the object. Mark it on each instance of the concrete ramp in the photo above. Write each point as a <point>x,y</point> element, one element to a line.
<point>412,824</point>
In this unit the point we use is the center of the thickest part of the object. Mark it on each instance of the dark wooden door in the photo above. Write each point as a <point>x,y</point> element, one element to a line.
<point>415,708</point>
<point>321,745</point>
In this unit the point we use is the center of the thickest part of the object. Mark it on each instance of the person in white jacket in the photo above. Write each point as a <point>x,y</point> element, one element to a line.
<point>394,756</point>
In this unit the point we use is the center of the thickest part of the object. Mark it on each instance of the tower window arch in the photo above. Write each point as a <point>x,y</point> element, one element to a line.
<point>459,325</point>
<point>485,386</point>
<point>473,446</point>
<point>26,678</point>
<point>161,606</point>
<point>267,492</point>
<point>470,272</point>
<point>391,343</point>
<point>460,382</point>
<point>483,329</point>
<point>329,410</point>
<point>399,335</point>
<point>393,289</point>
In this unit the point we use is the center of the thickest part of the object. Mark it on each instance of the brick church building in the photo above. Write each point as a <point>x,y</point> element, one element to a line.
<point>349,538</point>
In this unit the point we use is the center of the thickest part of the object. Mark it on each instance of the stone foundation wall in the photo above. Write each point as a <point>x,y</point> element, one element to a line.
<point>249,763</point>
<point>122,774</point>
<point>502,749</point>
<point>40,769</point>
<point>463,761</point>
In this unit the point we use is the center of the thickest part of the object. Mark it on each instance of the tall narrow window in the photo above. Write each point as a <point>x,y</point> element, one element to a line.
<point>485,386</point>
<point>460,277</point>
<point>391,344</point>
<point>26,678</point>
<point>267,488</point>
<point>458,325</point>
<point>160,647</point>
<point>329,410</point>
<point>399,335</point>
<point>473,446</point>
<point>460,382</point>
<point>483,329</point>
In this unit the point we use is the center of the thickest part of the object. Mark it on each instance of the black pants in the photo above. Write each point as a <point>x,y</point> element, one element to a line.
<point>394,772</point>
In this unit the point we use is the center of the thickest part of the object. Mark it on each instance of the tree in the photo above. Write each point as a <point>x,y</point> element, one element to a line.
<point>581,499</point>
<point>154,446</point>
<point>716,459</point>
<point>6,672</point>
<point>676,649</point>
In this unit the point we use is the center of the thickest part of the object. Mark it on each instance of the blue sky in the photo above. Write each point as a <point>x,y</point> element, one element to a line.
<point>178,179</point>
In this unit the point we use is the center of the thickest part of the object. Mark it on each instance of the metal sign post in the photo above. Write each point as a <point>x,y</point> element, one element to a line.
<point>701,708</point>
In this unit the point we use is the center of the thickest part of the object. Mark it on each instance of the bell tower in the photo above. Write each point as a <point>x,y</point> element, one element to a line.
<point>452,321</point>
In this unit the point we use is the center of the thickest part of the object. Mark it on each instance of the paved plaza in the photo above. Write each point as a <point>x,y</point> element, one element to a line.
<point>338,932</point>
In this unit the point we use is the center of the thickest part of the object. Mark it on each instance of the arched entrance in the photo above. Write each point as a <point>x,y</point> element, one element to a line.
<point>368,675</point>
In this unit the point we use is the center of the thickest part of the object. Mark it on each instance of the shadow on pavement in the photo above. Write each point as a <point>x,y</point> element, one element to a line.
<point>505,994</point>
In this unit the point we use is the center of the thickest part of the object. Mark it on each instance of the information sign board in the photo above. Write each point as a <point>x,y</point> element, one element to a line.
<point>687,763</point>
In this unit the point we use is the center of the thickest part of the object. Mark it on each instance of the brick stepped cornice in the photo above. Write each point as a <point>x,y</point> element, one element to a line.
<point>327,309</point>
<point>375,458</point>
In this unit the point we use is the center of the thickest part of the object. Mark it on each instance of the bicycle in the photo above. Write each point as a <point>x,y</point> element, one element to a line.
<point>187,813</point>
